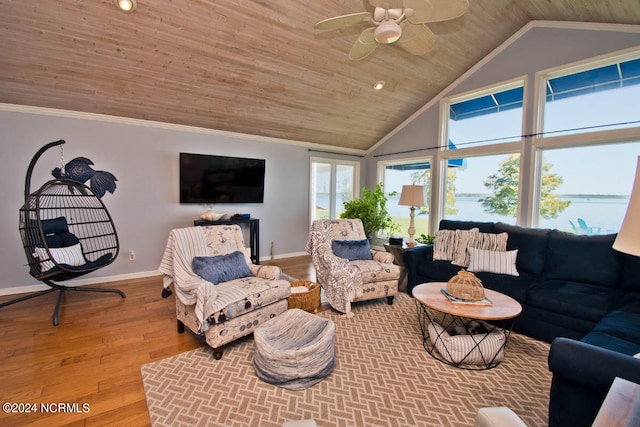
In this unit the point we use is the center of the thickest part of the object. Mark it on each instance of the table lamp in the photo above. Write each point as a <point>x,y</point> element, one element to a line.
<point>412,195</point>
<point>628,239</point>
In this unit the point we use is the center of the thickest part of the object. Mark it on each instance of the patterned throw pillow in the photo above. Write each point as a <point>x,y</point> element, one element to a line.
<point>493,262</point>
<point>443,245</point>
<point>221,268</point>
<point>486,241</point>
<point>71,255</point>
<point>464,239</point>
<point>352,249</point>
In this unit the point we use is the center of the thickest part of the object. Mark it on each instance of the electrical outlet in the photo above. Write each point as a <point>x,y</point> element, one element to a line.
<point>132,256</point>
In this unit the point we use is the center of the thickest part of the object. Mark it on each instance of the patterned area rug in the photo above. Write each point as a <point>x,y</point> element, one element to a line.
<point>383,377</point>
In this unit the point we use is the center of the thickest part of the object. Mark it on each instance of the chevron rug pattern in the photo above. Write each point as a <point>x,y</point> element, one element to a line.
<point>383,377</point>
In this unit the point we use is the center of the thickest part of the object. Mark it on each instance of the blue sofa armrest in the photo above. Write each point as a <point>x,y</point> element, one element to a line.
<point>582,376</point>
<point>412,258</point>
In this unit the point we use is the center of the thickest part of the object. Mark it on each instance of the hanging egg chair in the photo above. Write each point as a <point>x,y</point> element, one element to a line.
<point>66,232</point>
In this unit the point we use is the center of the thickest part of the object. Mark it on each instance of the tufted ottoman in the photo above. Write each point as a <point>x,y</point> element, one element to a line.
<point>294,350</point>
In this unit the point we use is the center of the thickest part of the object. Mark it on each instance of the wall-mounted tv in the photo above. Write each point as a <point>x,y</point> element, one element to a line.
<point>221,179</point>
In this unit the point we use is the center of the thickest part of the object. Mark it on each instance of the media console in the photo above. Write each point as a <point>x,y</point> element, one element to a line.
<point>254,232</point>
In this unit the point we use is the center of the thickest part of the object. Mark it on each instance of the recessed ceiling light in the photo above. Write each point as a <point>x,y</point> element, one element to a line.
<point>126,5</point>
<point>378,85</point>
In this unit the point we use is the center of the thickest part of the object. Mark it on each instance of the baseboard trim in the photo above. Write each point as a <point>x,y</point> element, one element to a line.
<point>289,255</point>
<point>79,282</point>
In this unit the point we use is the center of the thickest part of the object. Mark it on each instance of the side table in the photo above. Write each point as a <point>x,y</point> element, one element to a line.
<point>397,251</point>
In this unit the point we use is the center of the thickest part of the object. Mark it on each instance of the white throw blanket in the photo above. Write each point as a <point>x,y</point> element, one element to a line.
<point>183,245</point>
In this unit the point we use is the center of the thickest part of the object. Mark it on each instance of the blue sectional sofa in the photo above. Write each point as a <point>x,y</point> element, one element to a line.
<point>577,293</point>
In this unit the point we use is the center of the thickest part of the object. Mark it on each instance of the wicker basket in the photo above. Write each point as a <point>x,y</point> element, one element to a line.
<point>308,301</point>
<point>465,285</point>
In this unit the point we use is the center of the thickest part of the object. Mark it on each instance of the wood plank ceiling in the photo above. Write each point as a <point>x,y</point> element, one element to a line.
<point>250,66</point>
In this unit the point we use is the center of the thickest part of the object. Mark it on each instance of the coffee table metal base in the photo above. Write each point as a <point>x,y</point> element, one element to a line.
<point>488,359</point>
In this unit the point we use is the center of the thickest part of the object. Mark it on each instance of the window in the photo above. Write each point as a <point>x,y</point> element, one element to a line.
<point>589,131</point>
<point>395,174</point>
<point>487,117</point>
<point>482,137</point>
<point>332,183</point>
<point>593,187</point>
<point>592,99</point>
<point>482,188</point>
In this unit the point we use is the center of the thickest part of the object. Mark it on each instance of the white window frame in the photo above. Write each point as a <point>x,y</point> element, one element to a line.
<point>540,142</point>
<point>333,163</point>
<point>382,164</point>
<point>444,154</point>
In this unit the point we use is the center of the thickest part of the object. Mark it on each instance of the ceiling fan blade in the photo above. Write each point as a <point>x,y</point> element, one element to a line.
<point>387,4</point>
<point>416,39</point>
<point>364,46</point>
<point>343,21</point>
<point>435,10</point>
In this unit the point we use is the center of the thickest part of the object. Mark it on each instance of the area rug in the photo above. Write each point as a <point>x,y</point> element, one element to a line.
<point>382,377</point>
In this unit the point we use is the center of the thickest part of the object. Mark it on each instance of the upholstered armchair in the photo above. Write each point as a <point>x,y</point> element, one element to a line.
<point>347,269</point>
<point>220,294</point>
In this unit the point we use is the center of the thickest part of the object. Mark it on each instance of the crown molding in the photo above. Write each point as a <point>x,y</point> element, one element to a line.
<point>27,109</point>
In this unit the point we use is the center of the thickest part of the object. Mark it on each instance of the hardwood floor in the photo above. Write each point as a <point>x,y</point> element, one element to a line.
<point>93,357</point>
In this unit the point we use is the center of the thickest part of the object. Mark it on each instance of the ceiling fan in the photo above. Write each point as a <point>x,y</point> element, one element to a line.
<point>397,21</point>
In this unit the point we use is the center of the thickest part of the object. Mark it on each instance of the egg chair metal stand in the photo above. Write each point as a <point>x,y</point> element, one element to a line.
<point>66,232</point>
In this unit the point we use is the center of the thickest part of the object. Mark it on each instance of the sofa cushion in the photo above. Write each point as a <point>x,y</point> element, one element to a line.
<point>352,249</point>
<point>531,244</point>
<point>574,299</point>
<point>493,261</point>
<point>583,258</point>
<point>611,343</point>
<point>437,271</point>
<point>621,324</point>
<point>448,224</point>
<point>630,279</point>
<point>630,302</point>
<point>515,287</point>
<point>221,268</point>
<point>251,293</point>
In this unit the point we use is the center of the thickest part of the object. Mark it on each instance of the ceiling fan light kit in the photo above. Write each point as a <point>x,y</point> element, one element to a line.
<point>387,32</point>
<point>405,25</point>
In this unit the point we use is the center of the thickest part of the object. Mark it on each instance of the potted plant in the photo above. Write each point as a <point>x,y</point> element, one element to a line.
<point>371,208</point>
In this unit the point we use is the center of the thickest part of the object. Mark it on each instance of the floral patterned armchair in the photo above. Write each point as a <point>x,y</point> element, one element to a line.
<point>220,294</point>
<point>346,281</point>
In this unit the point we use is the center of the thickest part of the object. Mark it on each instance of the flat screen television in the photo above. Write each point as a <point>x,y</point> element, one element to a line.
<point>221,179</point>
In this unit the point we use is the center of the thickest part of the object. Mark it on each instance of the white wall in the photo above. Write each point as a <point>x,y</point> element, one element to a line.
<point>145,205</point>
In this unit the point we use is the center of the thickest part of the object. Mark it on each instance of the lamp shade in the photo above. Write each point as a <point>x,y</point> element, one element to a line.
<point>628,239</point>
<point>412,195</point>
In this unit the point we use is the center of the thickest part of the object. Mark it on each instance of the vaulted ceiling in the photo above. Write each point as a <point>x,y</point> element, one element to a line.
<point>250,66</point>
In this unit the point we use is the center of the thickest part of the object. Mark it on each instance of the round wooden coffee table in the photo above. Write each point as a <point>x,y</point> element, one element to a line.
<point>440,318</point>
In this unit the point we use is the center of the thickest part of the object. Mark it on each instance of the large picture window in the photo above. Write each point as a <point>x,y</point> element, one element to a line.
<point>482,188</point>
<point>594,185</point>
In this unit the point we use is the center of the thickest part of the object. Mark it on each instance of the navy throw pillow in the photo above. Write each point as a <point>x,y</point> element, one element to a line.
<point>221,268</point>
<point>351,249</point>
